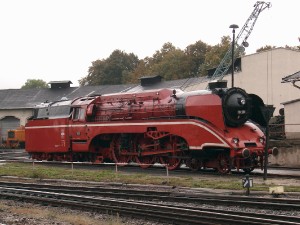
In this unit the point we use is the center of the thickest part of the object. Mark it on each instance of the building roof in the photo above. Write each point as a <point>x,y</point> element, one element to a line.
<point>172,84</point>
<point>29,98</point>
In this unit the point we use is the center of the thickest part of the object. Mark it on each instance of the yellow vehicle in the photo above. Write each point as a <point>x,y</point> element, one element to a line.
<point>16,138</point>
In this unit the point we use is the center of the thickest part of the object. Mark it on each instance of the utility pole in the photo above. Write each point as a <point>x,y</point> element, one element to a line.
<point>233,26</point>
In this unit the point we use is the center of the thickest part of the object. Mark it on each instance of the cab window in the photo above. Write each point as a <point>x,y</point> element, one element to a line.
<point>78,114</point>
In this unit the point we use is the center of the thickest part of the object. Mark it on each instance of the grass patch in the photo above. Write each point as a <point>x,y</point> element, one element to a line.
<point>39,171</point>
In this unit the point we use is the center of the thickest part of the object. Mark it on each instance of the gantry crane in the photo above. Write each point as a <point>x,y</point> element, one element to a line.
<point>243,35</point>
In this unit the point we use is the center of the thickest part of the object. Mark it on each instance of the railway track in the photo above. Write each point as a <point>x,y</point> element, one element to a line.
<point>172,206</point>
<point>13,154</point>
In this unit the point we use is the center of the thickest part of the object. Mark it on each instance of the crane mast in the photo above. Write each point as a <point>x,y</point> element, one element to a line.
<point>243,35</point>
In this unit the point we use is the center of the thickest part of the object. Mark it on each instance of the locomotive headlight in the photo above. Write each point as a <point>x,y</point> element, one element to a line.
<point>242,101</point>
<point>235,140</point>
<point>261,140</point>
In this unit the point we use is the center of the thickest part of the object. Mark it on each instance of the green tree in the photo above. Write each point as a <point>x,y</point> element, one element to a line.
<point>196,54</point>
<point>94,74</point>
<point>297,48</point>
<point>169,62</point>
<point>34,83</point>
<point>132,77</point>
<point>173,65</point>
<point>159,55</point>
<point>267,47</point>
<point>215,54</point>
<point>112,70</point>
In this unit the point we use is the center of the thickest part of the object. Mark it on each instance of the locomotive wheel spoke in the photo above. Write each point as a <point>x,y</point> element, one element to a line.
<point>173,160</point>
<point>223,163</point>
<point>170,162</point>
<point>145,161</point>
<point>121,160</point>
<point>141,144</point>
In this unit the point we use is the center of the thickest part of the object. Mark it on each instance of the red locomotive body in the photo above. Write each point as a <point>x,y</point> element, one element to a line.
<point>208,128</point>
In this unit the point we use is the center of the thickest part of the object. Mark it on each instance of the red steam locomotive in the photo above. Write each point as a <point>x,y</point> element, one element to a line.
<point>218,128</point>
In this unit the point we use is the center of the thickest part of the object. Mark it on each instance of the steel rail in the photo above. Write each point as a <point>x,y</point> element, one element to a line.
<point>176,214</point>
<point>176,195</point>
<point>169,196</point>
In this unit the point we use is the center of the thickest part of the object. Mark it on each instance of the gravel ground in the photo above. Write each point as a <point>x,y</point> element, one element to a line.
<point>21,213</point>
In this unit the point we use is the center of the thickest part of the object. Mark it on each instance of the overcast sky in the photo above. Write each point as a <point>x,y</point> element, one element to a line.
<point>58,39</point>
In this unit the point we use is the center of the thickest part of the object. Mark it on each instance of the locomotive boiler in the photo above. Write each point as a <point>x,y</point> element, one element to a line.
<point>219,128</point>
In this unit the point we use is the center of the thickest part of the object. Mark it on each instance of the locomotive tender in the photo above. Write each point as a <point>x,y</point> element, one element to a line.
<point>218,128</point>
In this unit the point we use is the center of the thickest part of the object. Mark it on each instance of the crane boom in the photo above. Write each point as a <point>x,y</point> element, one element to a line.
<point>243,35</point>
